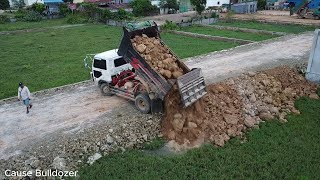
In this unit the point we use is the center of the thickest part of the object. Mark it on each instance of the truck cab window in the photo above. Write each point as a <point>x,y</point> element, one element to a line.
<point>119,62</point>
<point>101,64</point>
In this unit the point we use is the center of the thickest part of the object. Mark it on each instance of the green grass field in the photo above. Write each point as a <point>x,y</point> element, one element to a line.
<point>287,28</point>
<point>31,25</point>
<point>275,151</point>
<point>228,33</point>
<point>55,57</point>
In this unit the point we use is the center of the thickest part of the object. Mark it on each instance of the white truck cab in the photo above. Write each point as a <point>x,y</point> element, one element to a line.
<point>107,64</point>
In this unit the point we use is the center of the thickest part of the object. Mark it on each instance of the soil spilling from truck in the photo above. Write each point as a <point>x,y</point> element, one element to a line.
<point>233,106</point>
<point>158,56</point>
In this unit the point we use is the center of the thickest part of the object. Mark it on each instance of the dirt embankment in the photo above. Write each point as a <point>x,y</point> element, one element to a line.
<point>233,106</point>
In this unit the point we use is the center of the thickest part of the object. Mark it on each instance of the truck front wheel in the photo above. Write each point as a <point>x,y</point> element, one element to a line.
<point>105,89</point>
<point>143,103</point>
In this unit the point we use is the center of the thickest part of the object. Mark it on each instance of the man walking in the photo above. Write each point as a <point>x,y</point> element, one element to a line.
<point>24,94</point>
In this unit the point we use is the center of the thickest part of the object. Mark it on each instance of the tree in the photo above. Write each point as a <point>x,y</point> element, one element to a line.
<point>200,5</point>
<point>142,7</point>
<point>262,4</point>
<point>18,3</point>
<point>4,4</point>
<point>38,7</point>
<point>171,4</point>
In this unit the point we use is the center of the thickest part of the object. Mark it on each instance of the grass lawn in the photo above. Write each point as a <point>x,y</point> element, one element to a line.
<point>275,151</point>
<point>31,25</point>
<point>185,46</point>
<point>287,28</point>
<point>55,57</point>
<point>228,33</point>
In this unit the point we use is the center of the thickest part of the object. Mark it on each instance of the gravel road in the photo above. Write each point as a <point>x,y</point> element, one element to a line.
<point>79,108</point>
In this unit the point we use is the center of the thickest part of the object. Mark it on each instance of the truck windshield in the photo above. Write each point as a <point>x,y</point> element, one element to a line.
<point>119,62</point>
<point>101,64</point>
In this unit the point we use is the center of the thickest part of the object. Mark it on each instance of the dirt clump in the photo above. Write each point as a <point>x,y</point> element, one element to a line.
<point>216,117</point>
<point>234,105</point>
<point>158,56</point>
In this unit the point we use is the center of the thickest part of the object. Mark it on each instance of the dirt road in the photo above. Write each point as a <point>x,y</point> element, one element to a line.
<point>275,17</point>
<point>80,107</point>
<point>69,111</point>
<point>286,50</point>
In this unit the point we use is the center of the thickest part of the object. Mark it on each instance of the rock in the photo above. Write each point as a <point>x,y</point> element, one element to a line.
<point>225,137</point>
<point>313,96</point>
<point>110,130</point>
<point>251,74</point>
<point>59,163</point>
<point>282,115</point>
<point>232,131</point>
<point>249,121</point>
<point>177,124</point>
<point>252,98</point>
<point>265,82</point>
<point>219,142</point>
<point>274,110</point>
<point>141,48</point>
<point>93,158</point>
<point>266,116</point>
<point>282,120</point>
<point>145,137</point>
<point>177,116</point>
<point>109,140</point>
<point>220,88</point>
<point>33,162</point>
<point>230,119</point>
<point>171,135</point>
<point>192,125</point>
<point>267,100</point>
<point>262,109</point>
<point>295,111</point>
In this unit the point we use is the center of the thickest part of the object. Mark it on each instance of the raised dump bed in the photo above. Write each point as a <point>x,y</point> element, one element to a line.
<point>160,78</point>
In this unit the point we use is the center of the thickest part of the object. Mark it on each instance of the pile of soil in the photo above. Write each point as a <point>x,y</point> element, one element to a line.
<point>158,56</point>
<point>232,106</point>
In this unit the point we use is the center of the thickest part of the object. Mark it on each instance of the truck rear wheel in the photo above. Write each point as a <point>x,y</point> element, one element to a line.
<point>105,89</point>
<point>143,103</point>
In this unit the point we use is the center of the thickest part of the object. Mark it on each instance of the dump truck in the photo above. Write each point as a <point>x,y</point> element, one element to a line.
<point>307,8</point>
<point>125,73</point>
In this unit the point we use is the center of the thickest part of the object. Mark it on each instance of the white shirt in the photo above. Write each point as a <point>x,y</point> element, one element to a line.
<point>23,93</point>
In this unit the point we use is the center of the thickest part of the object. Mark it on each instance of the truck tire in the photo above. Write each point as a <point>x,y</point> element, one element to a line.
<point>143,103</point>
<point>105,89</point>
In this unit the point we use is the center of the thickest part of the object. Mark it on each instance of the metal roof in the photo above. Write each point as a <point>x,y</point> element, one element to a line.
<point>53,1</point>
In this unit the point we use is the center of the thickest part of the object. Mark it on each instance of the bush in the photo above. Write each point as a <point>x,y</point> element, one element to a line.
<point>89,9</point>
<point>64,10</point>
<point>229,16</point>
<point>214,15</point>
<point>4,4</point>
<point>261,4</point>
<point>142,7</point>
<point>38,7</point>
<point>122,14</point>
<point>76,19</point>
<point>106,14</point>
<point>32,16</point>
<point>4,19</point>
<point>169,25</point>
<point>170,4</point>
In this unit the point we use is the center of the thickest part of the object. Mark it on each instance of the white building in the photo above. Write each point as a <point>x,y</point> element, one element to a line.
<point>214,3</point>
<point>27,2</point>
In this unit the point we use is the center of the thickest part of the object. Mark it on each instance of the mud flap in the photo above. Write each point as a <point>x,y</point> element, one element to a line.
<point>156,106</point>
<point>191,87</point>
